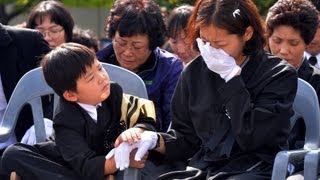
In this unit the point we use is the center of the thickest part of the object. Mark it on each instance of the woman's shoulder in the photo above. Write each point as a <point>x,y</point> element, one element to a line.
<point>167,58</point>
<point>195,64</point>
<point>268,61</point>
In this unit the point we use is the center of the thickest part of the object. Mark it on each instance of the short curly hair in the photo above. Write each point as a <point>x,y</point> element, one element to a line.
<point>137,17</point>
<point>302,15</point>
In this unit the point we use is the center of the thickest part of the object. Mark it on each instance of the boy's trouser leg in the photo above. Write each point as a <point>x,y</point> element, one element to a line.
<point>29,163</point>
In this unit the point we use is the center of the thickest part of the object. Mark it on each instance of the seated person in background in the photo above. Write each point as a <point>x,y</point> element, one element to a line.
<point>136,28</point>
<point>312,51</point>
<point>85,37</point>
<point>233,127</point>
<point>288,37</point>
<point>83,134</point>
<point>20,51</point>
<point>176,25</point>
<point>53,20</point>
<point>291,26</point>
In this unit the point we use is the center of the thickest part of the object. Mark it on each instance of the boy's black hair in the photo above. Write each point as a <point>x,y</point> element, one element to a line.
<point>64,65</point>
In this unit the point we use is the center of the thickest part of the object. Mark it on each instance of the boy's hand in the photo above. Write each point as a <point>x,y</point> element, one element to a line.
<point>130,136</point>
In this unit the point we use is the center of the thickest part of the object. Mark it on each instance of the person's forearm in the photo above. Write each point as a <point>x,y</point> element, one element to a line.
<point>162,148</point>
<point>109,166</point>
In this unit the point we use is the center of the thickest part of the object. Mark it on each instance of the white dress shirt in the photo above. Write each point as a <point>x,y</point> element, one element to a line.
<point>317,65</point>
<point>92,110</point>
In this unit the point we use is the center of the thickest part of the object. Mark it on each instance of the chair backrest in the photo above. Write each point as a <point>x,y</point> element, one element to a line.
<point>129,81</point>
<point>306,106</point>
<point>32,86</point>
<point>28,90</point>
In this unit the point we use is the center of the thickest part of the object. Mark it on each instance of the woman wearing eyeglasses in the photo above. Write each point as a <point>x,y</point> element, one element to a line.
<point>137,29</point>
<point>56,24</point>
<point>53,20</point>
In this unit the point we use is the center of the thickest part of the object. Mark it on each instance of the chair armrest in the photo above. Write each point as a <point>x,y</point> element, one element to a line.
<point>128,174</point>
<point>5,133</point>
<point>283,158</point>
<point>131,174</point>
<point>311,164</point>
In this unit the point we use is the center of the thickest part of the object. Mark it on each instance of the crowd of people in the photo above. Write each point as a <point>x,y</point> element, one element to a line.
<point>221,81</point>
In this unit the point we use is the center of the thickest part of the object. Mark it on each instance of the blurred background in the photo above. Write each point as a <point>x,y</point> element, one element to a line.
<point>89,14</point>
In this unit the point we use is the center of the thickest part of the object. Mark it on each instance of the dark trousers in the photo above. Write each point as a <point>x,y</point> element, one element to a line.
<point>35,162</point>
<point>242,168</point>
<point>3,176</point>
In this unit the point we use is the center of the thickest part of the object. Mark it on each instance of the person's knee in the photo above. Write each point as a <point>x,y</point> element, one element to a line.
<point>11,155</point>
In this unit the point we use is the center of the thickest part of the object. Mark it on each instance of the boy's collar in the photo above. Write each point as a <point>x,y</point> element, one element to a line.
<point>91,110</point>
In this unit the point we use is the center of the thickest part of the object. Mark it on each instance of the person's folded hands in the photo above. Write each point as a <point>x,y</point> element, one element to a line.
<point>218,60</point>
<point>121,155</point>
<point>148,141</point>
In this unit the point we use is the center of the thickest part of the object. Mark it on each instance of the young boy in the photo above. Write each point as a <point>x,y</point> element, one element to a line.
<point>83,134</point>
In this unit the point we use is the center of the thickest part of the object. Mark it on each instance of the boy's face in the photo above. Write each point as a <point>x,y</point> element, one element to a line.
<point>94,86</point>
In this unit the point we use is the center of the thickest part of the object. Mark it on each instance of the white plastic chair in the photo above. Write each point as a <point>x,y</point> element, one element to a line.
<point>28,90</point>
<point>311,164</point>
<point>306,106</point>
<point>131,84</point>
<point>32,86</point>
<point>129,81</point>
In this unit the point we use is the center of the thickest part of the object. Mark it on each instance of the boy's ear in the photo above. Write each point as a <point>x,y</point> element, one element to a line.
<point>70,96</point>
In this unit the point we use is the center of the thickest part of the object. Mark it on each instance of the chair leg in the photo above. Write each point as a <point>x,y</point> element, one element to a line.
<point>110,177</point>
<point>14,176</point>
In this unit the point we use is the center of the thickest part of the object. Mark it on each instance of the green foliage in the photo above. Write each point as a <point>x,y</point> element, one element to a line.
<point>20,6</point>
<point>170,4</point>
<point>263,5</point>
<point>88,3</point>
<point>17,2</point>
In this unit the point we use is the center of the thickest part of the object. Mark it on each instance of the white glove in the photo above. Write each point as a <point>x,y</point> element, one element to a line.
<point>148,141</point>
<point>218,61</point>
<point>122,155</point>
<point>122,152</point>
<point>30,136</point>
